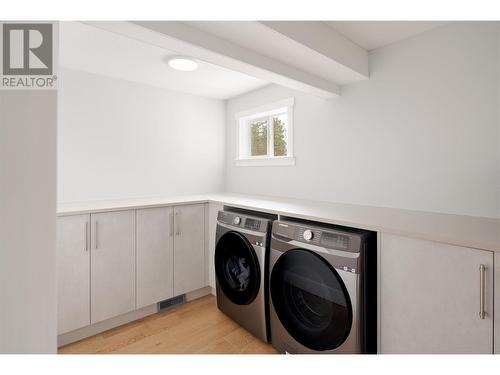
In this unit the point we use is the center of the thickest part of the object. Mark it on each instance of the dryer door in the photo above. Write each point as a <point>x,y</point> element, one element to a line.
<point>311,300</point>
<point>237,268</point>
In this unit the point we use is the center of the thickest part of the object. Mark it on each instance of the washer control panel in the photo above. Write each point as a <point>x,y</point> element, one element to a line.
<point>237,220</point>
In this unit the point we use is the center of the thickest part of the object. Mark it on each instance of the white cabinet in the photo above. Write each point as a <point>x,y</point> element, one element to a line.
<point>189,248</point>
<point>155,244</point>
<point>213,209</point>
<point>73,272</point>
<point>496,298</point>
<point>112,264</point>
<point>431,297</point>
<point>170,252</point>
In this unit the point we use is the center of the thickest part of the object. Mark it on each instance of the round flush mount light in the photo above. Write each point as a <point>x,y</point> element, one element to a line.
<point>182,63</point>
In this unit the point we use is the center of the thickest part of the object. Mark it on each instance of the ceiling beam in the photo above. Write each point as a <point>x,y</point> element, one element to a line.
<point>216,50</point>
<point>326,41</point>
<point>187,40</point>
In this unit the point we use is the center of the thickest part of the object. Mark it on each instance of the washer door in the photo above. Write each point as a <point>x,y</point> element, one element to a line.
<point>311,300</point>
<point>237,268</point>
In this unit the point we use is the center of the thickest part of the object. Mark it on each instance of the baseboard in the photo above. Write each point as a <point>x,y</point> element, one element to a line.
<point>198,293</point>
<point>94,329</point>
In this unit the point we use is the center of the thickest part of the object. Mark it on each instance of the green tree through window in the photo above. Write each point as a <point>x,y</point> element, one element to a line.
<point>258,138</point>
<point>280,136</point>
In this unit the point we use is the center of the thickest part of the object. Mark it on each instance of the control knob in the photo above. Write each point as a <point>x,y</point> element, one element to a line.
<point>237,220</point>
<point>308,235</point>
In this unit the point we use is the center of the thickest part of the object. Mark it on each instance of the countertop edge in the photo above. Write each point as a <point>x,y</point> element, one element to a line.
<point>103,206</point>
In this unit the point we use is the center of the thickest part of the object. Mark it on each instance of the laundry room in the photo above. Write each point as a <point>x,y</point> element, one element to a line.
<point>131,147</point>
<point>252,187</point>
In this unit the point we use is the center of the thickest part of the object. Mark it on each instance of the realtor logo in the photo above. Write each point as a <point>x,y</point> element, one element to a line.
<point>27,56</point>
<point>27,48</point>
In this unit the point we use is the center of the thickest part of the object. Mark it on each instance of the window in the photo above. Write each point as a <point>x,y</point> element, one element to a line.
<point>265,135</point>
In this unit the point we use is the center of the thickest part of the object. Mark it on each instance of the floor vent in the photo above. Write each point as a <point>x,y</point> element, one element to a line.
<point>168,303</point>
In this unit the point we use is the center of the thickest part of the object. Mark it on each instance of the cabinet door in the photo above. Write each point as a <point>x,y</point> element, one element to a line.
<point>430,297</point>
<point>496,299</point>
<point>213,209</point>
<point>112,264</point>
<point>155,243</point>
<point>189,248</point>
<point>73,272</point>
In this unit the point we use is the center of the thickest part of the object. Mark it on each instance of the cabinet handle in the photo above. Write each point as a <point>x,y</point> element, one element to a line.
<point>177,224</point>
<point>171,224</point>
<point>86,236</point>
<point>95,235</point>
<point>482,269</point>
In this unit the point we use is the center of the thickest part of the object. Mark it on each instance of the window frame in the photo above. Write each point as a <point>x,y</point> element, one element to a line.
<point>265,112</point>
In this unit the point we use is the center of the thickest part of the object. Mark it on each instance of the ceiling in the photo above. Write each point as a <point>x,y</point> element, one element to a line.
<point>90,49</point>
<point>374,34</point>
<point>140,54</point>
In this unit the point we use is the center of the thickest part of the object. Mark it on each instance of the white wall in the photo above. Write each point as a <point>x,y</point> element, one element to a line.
<point>422,133</point>
<point>118,139</point>
<point>27,221</point>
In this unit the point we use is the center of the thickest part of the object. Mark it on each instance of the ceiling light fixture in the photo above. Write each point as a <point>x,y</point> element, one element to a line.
<point>182,63</point>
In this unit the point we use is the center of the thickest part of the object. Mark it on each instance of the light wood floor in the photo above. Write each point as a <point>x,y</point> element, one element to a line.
<point>196,327</point>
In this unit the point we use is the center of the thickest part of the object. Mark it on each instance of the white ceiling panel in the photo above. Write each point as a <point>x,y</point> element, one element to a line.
<point>90,49</point>
<point>375,34</point>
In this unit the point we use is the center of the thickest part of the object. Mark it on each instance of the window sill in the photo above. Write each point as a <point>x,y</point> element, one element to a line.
<point>266,162</point>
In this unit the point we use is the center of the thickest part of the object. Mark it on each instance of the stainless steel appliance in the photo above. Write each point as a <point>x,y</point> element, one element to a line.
<point>241,269</point>
<point>322,288</point>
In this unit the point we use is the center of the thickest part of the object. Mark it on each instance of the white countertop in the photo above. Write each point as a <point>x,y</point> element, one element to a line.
<point>469,231</point>
<point>74,208</point>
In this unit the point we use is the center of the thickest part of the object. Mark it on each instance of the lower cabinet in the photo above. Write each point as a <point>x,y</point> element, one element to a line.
<point>155,254</point>
<point>73,272</point>
<point>189,248</point>
<point>433,296</point>
<point>496,298</point>
<point>170,252</point>
<point>112,264</point>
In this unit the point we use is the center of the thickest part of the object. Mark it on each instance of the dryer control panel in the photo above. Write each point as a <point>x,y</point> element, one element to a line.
<point>324,237</point>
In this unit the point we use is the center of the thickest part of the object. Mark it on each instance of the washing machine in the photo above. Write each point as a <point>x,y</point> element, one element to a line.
<point>322,289</point>
<point>241,269</point>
